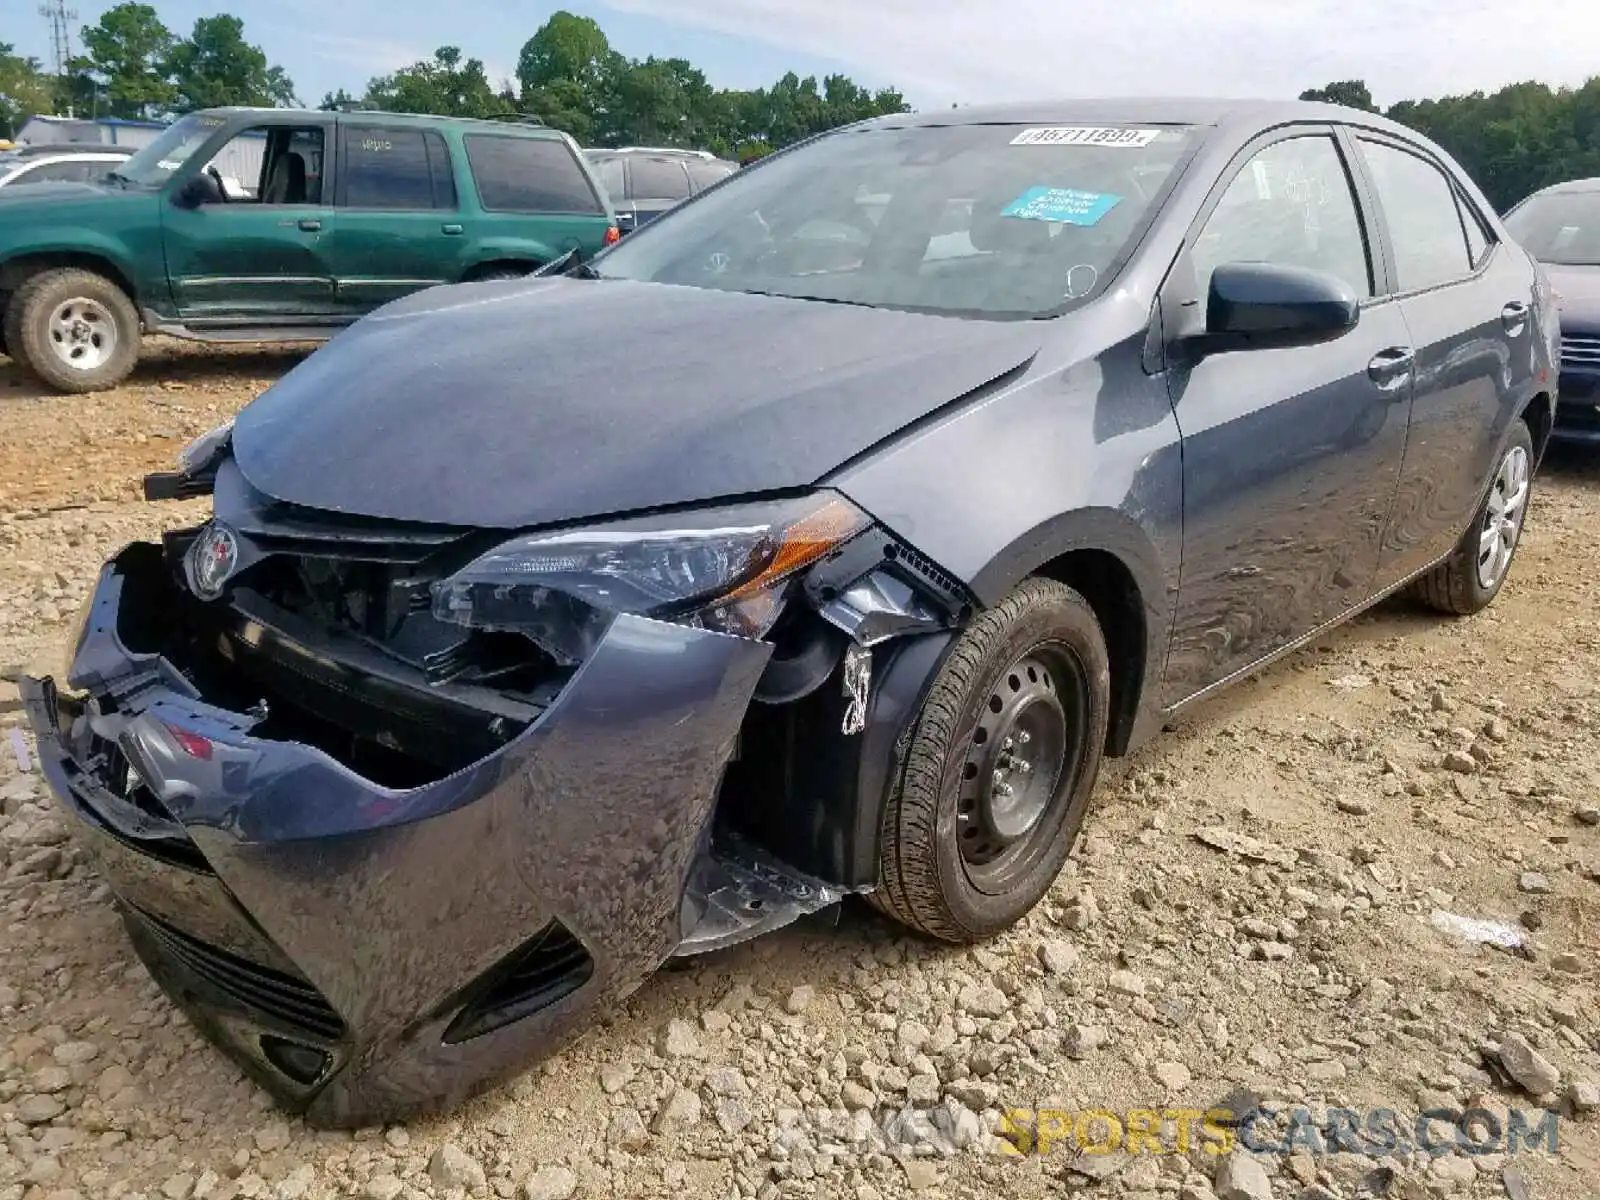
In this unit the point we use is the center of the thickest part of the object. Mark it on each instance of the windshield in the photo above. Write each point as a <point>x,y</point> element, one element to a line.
<point>997,221</point>
<point>154,165</point>
<point>1560,227</point>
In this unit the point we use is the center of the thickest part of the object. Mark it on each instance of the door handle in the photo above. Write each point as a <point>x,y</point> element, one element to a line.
<point>310,225</point>
<point>452,229</point>
<point>1390,368</point>
<point>1514,316</point>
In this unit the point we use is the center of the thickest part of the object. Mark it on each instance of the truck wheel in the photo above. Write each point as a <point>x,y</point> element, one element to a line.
<point>74,329</point>
<point>998,773</point>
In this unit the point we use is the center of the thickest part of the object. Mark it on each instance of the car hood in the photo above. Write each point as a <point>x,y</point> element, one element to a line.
<point>1579,288</point>
<point>534,402</point>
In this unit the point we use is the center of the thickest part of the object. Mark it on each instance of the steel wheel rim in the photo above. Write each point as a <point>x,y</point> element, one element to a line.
<point>1503,517</point>
<point>83,333</point>
<point>1021,764</point>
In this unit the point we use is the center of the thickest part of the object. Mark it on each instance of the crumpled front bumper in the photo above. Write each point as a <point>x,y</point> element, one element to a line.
<point>334,935</point>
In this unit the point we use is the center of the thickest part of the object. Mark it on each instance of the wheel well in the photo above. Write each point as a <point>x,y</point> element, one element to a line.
<point>500,264</point>
<point>1105,582</point>
<point>17,271</point>
<point>1538,418</point>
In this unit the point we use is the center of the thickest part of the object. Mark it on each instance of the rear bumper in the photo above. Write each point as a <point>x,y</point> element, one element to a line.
<point>365,952</point>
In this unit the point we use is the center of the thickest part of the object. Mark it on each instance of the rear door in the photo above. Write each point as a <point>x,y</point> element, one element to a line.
<point>1466,302</point>
<point>400,227</point>
<point>655,184</point>
<point>533,193</point>
<point>1290,456</point>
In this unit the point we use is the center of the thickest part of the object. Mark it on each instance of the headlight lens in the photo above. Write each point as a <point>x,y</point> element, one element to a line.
<point>194,458</point>
<point>724,569</point>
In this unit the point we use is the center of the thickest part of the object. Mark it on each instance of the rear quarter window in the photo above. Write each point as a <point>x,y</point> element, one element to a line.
<point>705,174</point>
<point>529,175</point>
<point>659,179</point>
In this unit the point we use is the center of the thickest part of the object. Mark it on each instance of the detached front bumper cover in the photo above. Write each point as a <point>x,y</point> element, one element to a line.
<point>366,952</point>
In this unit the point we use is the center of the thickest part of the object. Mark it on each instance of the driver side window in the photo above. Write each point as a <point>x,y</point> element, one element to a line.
<point>1290,205</point>
<point>271,164</point>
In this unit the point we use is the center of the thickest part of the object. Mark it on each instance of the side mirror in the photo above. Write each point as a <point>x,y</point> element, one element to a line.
<point>1258,306</point>
<point>194,192</point>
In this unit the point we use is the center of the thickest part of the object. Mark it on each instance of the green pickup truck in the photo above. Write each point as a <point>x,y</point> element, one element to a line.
<point>258,225</point>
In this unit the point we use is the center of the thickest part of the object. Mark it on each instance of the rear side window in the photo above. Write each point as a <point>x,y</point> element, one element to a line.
<point>659,179</point>
<point>529,175</point>
<point>396,169</point>
<point>611,177</point>
<point>704,174</point>
<point>1419,202</point>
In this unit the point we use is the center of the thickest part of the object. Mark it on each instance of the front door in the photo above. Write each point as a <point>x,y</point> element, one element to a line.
<point>1467,303</point>
<point>400,228</point>
<point>249,247</point>
<point>1290,456</point>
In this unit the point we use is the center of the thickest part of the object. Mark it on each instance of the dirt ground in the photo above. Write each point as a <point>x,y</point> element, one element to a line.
<point>1251,912</point>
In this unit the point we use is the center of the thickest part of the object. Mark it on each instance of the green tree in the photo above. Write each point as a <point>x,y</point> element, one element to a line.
<point>126,52</point>
<point>447,85</point>
<point>1352,93</point>
<point>25,90</point>
<point>567,49</point>
<point>216,66</point>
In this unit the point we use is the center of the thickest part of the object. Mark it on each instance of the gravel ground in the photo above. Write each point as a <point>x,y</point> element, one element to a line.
<point>1250,913</point>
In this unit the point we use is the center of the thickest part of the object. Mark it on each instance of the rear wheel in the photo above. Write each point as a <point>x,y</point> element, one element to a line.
<point>1470,579</point>
<point>74,329</point>
<point>494,273</point>
<point>1002,761</point>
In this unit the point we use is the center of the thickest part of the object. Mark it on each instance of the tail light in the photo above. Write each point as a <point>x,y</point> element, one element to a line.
<point>613,235</point>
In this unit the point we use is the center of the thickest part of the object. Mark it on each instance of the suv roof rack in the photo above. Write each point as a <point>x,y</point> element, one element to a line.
<point>653,150</point>
<point>519,119</point>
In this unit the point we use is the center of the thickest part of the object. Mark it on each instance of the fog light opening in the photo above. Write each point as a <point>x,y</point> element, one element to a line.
<point>303,1064</point>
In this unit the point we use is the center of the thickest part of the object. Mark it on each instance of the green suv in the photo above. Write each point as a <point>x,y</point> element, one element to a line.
<point>252,225</point>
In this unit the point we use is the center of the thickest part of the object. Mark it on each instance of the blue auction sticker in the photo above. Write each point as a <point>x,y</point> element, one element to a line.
<point>1067,205</point>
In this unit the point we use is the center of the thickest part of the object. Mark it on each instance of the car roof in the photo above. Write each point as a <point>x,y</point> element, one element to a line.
<point>662,151</point>
<point>1136,110</point>
<point>1571,187</point>
<point>525,125</point>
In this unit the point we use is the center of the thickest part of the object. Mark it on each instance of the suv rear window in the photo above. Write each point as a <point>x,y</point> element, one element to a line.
<point>531,175</point>
<point>659,179</point>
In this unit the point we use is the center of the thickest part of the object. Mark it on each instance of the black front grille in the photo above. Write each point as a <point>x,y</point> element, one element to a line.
<point>286,998</point>
<point>552,965</point>
<point>1581,350</point>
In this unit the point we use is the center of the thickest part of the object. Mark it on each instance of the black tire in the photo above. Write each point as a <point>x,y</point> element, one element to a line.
<point>495,273</point>
<point>32,339</point>
<point>1457,585</point>
<point>929,874</point>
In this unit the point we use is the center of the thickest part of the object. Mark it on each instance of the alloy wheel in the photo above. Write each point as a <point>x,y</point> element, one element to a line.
<point>1502,521</point>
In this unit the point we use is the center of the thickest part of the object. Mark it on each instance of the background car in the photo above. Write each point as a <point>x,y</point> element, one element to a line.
<point>645,182</point>
<point>344,212</point>
<point>1560,226</point>
<point>58,164</point>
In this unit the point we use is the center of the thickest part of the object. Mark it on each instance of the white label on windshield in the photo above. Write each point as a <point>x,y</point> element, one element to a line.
<point>1086,135</point>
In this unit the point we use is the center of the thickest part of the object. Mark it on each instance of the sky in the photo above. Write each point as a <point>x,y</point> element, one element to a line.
<point>940,52</point>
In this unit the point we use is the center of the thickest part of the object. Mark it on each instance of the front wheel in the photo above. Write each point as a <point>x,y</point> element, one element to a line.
<point>1470,579</point>
<point>1001,764</point>
<point>74,329</point>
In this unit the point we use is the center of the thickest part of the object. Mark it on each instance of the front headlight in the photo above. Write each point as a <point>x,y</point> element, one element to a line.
<point>199,454</point>
<point>725,569</point>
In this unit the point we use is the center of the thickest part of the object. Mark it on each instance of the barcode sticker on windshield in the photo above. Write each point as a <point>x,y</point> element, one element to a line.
<point>1085,135</point>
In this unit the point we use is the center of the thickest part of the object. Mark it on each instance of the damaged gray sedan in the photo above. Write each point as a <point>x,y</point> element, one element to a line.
<point>945,455</point>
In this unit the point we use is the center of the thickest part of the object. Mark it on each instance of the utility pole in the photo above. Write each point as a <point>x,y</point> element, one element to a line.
<point>60,18</point>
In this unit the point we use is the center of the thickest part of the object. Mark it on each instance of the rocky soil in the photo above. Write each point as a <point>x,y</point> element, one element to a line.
<point>1260,910</point>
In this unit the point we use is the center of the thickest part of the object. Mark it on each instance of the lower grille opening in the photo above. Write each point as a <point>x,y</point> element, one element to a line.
<point>289,999</point>
<point>551,966</point>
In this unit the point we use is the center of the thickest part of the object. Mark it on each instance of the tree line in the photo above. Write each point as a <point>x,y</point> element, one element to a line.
<point>568,75</point>
<point>1512,142</point>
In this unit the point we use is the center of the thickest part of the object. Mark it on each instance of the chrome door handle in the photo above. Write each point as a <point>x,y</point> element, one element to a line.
<point>1390,368</point>
<point>310,225</point>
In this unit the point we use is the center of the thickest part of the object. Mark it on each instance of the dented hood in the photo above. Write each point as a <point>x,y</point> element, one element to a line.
<point>531,402</point>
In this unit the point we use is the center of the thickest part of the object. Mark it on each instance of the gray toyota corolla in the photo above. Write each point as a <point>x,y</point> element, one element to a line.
<point>944,455</point>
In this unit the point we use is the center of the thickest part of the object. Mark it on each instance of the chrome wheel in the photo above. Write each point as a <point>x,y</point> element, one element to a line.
<point>1028,742</point>
<point>1502,522</point>
<point>83,333</point>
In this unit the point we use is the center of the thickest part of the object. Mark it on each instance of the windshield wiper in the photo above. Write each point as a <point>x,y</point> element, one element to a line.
<point>571,263</point>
